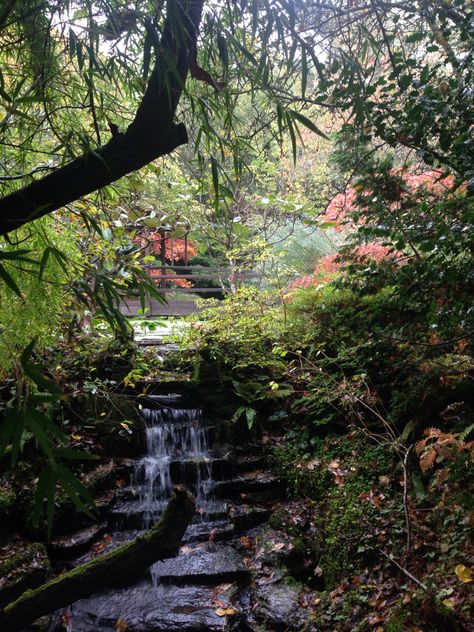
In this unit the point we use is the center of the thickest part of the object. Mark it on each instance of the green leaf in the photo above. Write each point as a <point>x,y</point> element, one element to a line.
<point>7,430</point>
<point>147,48</point>
<point>215,177</point>
<point>291,129</point>
<point>41,381</point>
<point>44,261</point>
<point>46,488</point>
<point>405,81</point>
<point>74,455</point>
<point>418,36</point>
<point>308,123</point>
<point>18,255</point>
<point>11,432</point>
<point>9,281</point>
<point>223,51</point>
<point>250,414</point>
<point>304,71</point>
<point>75,490</point>
<point>38,424</point>
<point>240,411</point>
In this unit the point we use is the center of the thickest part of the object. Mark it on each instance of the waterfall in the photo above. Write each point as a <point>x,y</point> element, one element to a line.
<point>177,450</point>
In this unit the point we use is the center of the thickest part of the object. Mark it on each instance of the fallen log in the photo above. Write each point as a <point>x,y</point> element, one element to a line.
<point>123,563</point>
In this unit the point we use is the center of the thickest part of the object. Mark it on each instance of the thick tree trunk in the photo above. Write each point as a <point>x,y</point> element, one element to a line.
<point>151,134</point>
<point>121,564</point>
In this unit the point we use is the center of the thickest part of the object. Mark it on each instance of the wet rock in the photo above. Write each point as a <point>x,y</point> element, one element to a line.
<point>144,608</point>
<point>249,463</point>
<point>189,470</point>
<point>277,606</point>
<point>250,483</point>
<point>22,566</point>
<point>68,546</point>
<point>216,530</point>
<point>245,517</point>
<point>213,564</point>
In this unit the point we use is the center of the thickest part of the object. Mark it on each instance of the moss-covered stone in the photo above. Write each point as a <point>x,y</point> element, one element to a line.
<point>23,566</point>
<point>122,563</point>
<point>7,498</point>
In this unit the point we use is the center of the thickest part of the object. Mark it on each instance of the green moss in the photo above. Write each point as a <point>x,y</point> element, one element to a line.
<point>22,570</point>
<point>342,539</point>
<point>7,499</point>
<point>33,552</point>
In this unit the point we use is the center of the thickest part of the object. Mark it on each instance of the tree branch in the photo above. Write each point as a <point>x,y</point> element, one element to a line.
<point>150,135</point>
<point>123,563</point>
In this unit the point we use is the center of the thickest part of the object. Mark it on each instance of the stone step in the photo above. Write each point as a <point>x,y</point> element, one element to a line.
<point>248,464</point>
<point>165,608</point>
<point>249,483</point>
<point>215,531</point>
<point>187,470</point>
<point>70,546</point>
<point>211,564</point>
<point>245,517</point>
<point>134,514</point>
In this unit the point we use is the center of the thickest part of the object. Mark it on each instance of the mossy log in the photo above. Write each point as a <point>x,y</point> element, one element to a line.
<point>123,563</point>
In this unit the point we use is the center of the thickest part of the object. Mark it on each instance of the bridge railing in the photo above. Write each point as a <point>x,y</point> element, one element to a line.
<point>182,286</point>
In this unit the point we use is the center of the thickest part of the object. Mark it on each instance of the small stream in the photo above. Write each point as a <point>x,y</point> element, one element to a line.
<point>175,438</point>
<point>188,592</point>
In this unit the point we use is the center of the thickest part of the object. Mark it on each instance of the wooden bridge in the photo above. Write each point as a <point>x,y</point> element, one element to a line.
<point>183,285</point>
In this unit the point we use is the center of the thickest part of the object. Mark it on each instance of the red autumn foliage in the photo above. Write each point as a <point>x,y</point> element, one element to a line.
<point>175,248</point>
<point>330,265</point>
<point>428,185</point>
<point>431,185</point>
<point>172,279</point>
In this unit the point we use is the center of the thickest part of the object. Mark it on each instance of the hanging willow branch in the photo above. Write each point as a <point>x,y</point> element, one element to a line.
<point>151,134</point>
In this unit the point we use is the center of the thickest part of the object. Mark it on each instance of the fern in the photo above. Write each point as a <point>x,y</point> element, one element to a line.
<point>466,432</point>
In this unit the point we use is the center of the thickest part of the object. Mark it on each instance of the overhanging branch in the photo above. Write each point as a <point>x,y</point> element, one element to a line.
<point>150,135</point>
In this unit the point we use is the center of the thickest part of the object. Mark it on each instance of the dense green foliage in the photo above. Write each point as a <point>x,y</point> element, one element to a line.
<point>314,129</point>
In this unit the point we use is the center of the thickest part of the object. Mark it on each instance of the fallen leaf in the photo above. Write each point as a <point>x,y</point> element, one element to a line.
<point>449,603</point>
<point>464,573</point>
<point>121,626</point>
<point>226,612</point>
<point>247,543</point>
<point>375,618</point>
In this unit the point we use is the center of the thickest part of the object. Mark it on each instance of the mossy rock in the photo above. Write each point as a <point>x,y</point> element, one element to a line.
<point>22,567</point>
<point>7,499</point>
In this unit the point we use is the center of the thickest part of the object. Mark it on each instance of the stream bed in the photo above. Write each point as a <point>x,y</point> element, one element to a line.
<point>207,587</point>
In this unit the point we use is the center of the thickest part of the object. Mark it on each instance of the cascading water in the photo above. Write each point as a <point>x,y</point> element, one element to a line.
<point>183,593</point>
<point>177,449</point>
